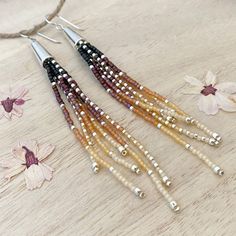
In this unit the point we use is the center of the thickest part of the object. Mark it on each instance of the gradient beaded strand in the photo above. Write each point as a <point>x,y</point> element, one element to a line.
<point>148,104</point>
<point>104,139</point>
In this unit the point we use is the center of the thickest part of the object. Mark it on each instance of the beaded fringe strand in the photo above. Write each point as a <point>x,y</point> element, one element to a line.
<point>106,142</point>
<point>148,104</point>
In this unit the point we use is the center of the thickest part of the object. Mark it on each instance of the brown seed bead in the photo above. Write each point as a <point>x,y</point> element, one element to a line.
<point>147,117</point>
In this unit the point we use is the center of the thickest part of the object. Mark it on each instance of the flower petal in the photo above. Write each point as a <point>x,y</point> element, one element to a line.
<point>34,177</point>
<point>226,87</point>
<point>193,81</point>
<point>17,110</point>
<point>19,153</point>
<point>19,92</point>
<point>210,78</point>
<point>225,103</point>
<point>1,111</point>
<point>10,162</point>
<point>44,151</point>
<point>208,104</point>
<point>19,102</point>
<point>46,170</point>
<point>193,90</point>
<point>32,145</point>
<point>7,115</point>
<point>9,173</point>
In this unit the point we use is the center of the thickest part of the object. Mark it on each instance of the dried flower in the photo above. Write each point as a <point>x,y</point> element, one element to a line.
<point>28,157</point>
<point>11,102</point>
<point>212,95</point>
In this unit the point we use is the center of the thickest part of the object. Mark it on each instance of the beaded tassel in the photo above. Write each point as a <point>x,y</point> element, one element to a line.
<point>148,104</point>
<point>106,142</point>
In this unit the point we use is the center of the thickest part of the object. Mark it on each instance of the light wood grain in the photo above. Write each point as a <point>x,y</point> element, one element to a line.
<point>157,42</point>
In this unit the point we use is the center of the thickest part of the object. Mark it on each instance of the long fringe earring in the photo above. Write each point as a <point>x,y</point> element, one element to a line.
<point>151,106</point>
<point>108,144</point>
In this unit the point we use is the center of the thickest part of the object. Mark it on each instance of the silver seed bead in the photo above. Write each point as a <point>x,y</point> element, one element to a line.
<point>139,192</point>
<point>218,170</point>
<point>212,141</point>
<point>174,206</point>
<point>187,146</point>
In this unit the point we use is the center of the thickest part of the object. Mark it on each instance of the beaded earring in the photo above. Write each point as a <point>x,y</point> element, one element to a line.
<point>151,106</point>
<point>108,144</point>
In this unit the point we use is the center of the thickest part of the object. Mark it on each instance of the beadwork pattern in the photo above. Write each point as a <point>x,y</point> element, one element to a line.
<point>106,142</point>
<point>148,104</point>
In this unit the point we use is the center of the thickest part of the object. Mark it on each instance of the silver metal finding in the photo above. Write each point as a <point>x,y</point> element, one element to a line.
<point>48,38</point>
<point>26,36</point>
<point>58,26</point>
<point>41,53</point>
<point>71,34</point>
<point>69,23</point>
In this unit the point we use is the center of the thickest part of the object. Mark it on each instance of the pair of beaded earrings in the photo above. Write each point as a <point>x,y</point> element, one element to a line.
<point>107,142</point>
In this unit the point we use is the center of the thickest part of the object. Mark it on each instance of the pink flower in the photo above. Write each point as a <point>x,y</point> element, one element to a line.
<point>28,157</point>
<point>212,95</point>
<point>11,102</point>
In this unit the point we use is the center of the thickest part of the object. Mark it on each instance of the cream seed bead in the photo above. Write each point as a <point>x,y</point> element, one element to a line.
<point>137,191</point>
<point>165,179</point>
<point>151,159</point>
<point>121,161</point>
<point>206,160</point>
<point>172,204</point>
<point>111,140</point>
<point>137,159</point>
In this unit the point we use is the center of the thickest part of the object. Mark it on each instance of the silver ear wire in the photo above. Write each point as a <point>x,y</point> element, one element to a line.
<point>69,23</point>
<point>42,35</point>
<point>48,38</point>
<point>73,36</point>
<point>60,27</point>
<point>26,36</point>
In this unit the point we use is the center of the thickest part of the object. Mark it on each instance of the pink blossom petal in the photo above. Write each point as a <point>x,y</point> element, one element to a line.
<point>210,78</point>
<point>17,110</point>
<point>226,87</point>
<point>10,162</point>
<point>9,173</point>
<point>44,151</point>
<point>194,90</point>
<point>7,115</point>
<point>19,101</point>
<point>47,171</point>
<point>19,93</point>
<point>19,153</point>
<point>34,177</point>
<point>193,81</point>
<point>225,103</point>
<point>32,145</point>
<point>1,112</point>
<point>208,104</point>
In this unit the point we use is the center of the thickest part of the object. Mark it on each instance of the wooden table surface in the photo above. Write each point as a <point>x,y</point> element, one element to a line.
<point>157,42</point>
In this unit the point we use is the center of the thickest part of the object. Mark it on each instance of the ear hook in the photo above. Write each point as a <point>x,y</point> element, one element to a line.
<point>42,35</point>
<point>58,26</point>
<point>48,38</point>
<point>27,37</point>
<point>69,23</point>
